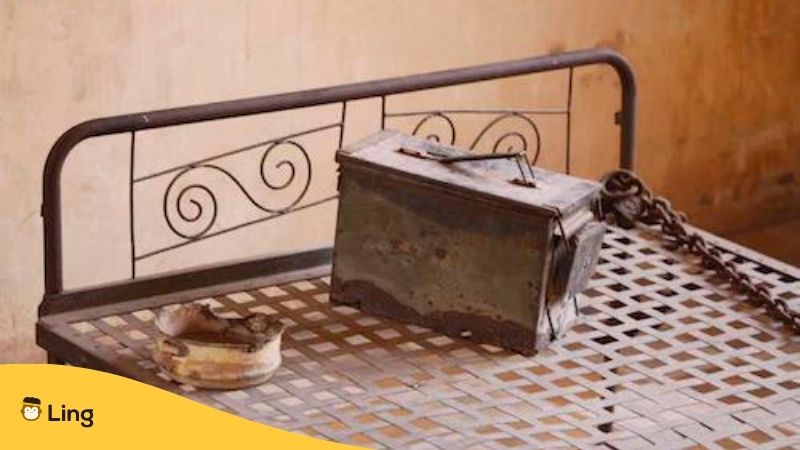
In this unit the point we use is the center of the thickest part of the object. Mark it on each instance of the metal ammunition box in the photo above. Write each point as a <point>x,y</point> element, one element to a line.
<point>472,248</point>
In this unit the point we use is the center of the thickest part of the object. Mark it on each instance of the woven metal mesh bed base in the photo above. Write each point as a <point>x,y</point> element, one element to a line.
<point>664,357</point>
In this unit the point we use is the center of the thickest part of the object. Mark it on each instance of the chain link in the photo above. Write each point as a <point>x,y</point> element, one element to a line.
<point>629,200</point>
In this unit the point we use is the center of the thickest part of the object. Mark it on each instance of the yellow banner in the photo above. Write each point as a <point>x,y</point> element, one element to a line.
<point>48,406</point>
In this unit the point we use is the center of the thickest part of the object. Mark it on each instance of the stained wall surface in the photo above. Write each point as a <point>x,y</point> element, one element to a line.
<point>718,133</point>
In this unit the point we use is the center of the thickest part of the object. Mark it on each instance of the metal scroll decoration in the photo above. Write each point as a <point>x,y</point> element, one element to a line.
<point>191,209</point>
<point>440,127</point>
<point>433,135</point>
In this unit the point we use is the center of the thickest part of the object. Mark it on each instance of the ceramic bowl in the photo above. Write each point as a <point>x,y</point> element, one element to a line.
<point>198,348</point>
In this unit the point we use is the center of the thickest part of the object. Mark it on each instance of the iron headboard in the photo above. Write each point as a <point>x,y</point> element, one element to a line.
<point>56,299</point>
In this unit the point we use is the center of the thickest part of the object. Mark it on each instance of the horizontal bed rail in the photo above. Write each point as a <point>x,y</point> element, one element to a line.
<point>131,123</point>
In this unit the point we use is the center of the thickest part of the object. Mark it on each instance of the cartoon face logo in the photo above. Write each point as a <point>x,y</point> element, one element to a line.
<point>31,408</point>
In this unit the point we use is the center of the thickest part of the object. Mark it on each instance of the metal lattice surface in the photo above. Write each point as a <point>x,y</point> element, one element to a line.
<point>665,357</point>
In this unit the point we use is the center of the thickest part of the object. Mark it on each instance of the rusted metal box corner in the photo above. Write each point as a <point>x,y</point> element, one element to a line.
<point>461,248</point>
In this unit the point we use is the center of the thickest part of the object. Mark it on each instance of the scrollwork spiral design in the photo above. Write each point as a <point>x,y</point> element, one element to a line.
<point>195,204</point>
<point>432,118</point>
<point>512,137</point>
<point>192,205</point>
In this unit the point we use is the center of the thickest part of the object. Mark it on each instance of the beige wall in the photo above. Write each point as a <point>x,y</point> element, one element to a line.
<point>718,128</point>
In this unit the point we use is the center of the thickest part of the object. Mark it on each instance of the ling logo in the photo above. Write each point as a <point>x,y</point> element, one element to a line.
<point>32,410</point>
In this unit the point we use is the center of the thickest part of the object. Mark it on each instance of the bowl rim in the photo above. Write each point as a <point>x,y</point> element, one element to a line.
<point>248,347</point>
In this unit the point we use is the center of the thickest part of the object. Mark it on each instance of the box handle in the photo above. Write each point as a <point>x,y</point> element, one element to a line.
<point>519,157</point>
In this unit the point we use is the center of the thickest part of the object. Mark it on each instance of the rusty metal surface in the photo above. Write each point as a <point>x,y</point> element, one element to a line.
<point>664,357</point>
<point>460,249</point>
<point>413,243</point>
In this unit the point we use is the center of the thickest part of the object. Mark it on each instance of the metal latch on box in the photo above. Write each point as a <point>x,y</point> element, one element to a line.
<point>521,158</point>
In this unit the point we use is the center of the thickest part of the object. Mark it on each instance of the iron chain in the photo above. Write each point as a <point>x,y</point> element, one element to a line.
<point>629,200</point>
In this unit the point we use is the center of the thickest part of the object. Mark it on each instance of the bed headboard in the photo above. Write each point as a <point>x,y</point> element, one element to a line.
<point>291,177</point>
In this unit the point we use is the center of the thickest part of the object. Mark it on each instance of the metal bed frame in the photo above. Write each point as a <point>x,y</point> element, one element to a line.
<point>665,357</point>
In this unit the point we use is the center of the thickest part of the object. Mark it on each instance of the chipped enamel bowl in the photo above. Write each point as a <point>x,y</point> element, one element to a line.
<point>197,348</point>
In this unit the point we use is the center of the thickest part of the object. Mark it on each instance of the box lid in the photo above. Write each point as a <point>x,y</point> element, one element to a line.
<point>554,193</point>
